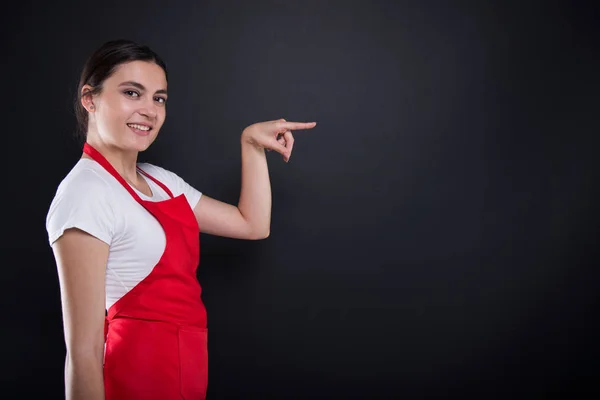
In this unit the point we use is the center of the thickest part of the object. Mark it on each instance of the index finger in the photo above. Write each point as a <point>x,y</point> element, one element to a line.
<point>298,125</point>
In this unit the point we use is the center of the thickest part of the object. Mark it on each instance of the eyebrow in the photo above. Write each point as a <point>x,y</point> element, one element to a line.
<point>141,87</point>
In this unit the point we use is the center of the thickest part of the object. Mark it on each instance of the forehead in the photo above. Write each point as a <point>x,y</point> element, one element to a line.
<point>147,73</point>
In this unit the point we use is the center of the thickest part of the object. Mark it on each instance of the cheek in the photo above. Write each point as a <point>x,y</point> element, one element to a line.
<point>118,111</point>
<point>125,108</point>
<point>161,115</point>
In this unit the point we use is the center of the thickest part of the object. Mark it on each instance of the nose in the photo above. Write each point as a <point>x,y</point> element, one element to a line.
<point>148,109</point>
<point>148,112</point>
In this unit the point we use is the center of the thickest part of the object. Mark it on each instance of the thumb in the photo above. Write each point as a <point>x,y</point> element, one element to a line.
<point>280,148</point>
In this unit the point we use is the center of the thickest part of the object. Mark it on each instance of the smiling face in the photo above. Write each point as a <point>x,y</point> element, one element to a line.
<point>131,108</point>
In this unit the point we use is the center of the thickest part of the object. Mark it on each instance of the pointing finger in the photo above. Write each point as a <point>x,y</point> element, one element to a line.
<point>288,125</point>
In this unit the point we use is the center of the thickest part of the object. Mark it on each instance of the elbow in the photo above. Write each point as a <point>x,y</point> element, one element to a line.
<point>85,357</point>
<point>261,235</point>
<point>86,352</point>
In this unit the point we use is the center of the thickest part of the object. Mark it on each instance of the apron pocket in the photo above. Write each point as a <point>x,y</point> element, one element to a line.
<point>193,362</point>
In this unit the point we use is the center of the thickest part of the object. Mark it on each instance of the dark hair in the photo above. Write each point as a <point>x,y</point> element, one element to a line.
<point>101,65</point>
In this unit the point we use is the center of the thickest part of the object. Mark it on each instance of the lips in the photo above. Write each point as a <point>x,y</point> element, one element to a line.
<point>140,129</point>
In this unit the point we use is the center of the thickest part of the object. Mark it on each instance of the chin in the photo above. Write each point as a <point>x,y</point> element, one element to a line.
<point>142,143</point>
<point>142,146</point>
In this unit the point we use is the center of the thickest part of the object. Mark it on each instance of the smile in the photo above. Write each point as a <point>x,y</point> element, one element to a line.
<point>140,129</point>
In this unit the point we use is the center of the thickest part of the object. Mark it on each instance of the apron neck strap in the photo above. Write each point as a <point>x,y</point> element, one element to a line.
<point>95,154</point>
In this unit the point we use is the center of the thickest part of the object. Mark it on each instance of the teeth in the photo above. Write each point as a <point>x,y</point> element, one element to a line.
<point>140,127</point>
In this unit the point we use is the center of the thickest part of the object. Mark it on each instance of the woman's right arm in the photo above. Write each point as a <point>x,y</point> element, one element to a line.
<point>81,262</point>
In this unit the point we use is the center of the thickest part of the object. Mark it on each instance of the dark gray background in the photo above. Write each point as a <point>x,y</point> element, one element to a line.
<point>434,236</point>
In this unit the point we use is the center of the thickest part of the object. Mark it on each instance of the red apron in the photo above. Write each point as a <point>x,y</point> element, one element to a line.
<point>156,335</point>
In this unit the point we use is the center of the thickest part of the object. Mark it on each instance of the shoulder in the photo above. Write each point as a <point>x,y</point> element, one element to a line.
<point>156,171</point>
<point>85,179</point>
<point>168,177</point>
<point>175,182</point>
<point>83,199</point>
<point>83,190</point>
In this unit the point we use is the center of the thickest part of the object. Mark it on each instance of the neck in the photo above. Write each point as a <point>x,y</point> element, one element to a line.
<point>123,161</point>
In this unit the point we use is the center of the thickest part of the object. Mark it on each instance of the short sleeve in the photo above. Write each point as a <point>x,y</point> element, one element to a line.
<point>82,201</point>
<point>174,182</point>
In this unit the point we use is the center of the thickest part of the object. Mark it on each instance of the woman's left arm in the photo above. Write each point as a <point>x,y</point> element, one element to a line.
<point>251,219</point>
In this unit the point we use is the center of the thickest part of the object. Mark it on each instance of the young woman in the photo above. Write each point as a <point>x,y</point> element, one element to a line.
<point>125,236</point>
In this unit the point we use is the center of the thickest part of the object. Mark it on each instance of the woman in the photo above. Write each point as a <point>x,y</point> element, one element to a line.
<point>125,236</point>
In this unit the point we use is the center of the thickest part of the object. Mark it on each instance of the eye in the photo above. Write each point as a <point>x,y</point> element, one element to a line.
<point>161,100</point>
<point>131,93</point>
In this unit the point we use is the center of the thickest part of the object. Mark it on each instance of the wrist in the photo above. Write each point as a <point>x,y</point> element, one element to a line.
<point>247,140</point>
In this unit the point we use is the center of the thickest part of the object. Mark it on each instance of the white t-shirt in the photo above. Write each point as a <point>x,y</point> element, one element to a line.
<point>91,199</point>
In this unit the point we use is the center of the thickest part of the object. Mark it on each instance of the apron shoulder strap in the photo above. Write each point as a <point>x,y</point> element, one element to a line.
<point>159,183</point>
<point>95,154</point>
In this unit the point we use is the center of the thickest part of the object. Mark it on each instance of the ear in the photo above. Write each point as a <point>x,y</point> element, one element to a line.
<point>87,100</point>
